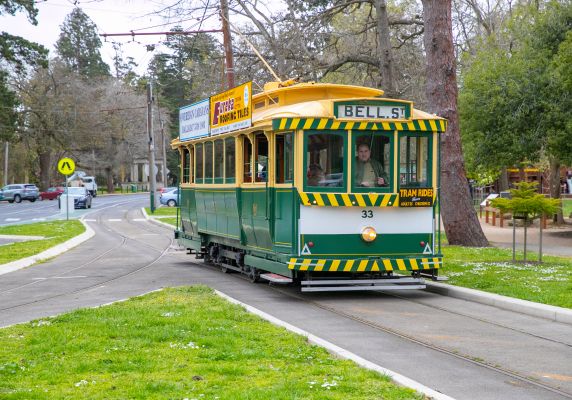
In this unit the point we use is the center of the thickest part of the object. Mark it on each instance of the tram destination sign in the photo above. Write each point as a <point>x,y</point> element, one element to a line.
<point>373,109</point>
<point>416,197</point>
<point>231,110</point>
<point>194,120</point>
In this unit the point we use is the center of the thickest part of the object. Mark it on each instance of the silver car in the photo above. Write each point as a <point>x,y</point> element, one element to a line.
<point>19,191</point>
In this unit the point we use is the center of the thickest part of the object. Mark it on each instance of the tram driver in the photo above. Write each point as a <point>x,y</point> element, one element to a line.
<point>368,172</point>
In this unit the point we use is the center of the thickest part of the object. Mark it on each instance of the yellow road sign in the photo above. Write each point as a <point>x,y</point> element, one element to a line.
<point>66,166</point>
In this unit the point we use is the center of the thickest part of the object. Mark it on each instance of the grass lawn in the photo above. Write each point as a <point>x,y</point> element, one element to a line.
<point>172,221</point>
<point>491,270</point>
<point>566,207</point>
<point>55,232</point>
<point>162,211</point>
<point>183,343</point>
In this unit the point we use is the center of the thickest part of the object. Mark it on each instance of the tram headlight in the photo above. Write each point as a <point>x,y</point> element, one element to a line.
<point>368,234</point>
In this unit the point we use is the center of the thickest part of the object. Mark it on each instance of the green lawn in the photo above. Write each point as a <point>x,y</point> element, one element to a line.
<point>54,232</point>
<point>491,270</point>
<point>161,211</point>
<point>183,343</point>
<point>566,207</point>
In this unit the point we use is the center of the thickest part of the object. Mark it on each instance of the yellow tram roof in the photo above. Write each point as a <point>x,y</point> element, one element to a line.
<point>307,100</point>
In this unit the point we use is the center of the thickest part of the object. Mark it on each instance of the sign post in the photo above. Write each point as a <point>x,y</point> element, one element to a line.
<point>66,166</point>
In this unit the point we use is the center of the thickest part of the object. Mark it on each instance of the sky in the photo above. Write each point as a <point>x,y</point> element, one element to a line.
<point>110,16</point>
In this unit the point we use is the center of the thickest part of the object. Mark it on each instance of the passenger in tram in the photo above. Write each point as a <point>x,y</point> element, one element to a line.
<point>368,172</point>
<point>315,175</point>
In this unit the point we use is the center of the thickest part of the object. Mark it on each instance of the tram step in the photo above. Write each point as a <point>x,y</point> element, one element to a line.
<point>330,285</point>
<point>275,278</point>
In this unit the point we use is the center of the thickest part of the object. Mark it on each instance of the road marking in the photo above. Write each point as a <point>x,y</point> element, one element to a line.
<point>60,277</point>
<point>90,220</point>
<point>38,219</point>
<point>139,219</point>
<point>12,219</point>
<point>114,220</point>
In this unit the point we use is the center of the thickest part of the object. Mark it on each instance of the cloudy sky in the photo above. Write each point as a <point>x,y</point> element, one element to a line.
<point>110,16</point>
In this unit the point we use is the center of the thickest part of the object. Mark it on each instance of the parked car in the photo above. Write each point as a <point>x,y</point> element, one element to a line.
<point>167,189</point>
<point>19,191</point>
<point>171,198</point>
<point>81,197</point>
<point>52,193</point>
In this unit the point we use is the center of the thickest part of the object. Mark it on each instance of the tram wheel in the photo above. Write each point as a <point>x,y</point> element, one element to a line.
<point>253,275</point>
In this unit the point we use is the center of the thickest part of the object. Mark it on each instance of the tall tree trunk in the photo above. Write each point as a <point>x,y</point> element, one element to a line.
<point>503,180</point>
<point>558,218</point>
<point>459,217</point>
<point>386,68</point>
<point>109,175</point>
<point>45,158</point>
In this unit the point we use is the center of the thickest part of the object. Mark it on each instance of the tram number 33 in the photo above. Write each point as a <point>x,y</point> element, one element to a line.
<point>367,214</point>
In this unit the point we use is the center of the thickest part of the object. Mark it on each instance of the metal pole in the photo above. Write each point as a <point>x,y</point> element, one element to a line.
<point>540,239</point>
<point>227,43</point>
<point>164,170</point>
<point>67,200</point>
<point>151,146</point>
<point>513,239</point>
<point>525,223</point>
<point>6,146</point>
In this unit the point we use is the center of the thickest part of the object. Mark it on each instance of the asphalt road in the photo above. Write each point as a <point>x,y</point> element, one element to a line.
<point>47,210</point>
<point>459,348</point>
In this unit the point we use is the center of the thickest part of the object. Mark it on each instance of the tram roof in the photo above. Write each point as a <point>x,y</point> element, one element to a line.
<point>308,100</point>
<point>313,100</point>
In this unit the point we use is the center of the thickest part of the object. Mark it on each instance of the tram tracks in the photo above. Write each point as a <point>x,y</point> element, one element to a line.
<point>458,355</point>
<point>124,240</point>
<point>509,373</point>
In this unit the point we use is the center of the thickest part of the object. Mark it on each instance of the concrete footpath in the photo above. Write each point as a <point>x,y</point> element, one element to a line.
<point>556,240</point>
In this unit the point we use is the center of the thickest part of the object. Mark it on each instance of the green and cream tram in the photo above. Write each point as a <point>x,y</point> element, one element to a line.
<point>330,187</point>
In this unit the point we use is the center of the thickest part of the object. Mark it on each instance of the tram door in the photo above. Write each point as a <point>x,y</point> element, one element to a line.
<point>284,196</point>
<point>256,213</point>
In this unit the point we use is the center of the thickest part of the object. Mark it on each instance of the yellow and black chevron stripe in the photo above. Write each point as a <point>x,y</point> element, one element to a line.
<point>424,125</point>
<point>364,265</point>
<point>349,199</point>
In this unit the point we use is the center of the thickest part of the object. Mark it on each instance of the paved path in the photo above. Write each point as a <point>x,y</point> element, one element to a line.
<point>555,240</point>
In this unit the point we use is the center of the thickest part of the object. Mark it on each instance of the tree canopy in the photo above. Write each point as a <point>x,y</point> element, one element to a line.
<point>78,45</point>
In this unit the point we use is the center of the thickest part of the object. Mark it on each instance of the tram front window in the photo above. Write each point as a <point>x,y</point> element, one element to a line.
<point>371,166</point>
<point>414,168</point>
<point>324,160</point>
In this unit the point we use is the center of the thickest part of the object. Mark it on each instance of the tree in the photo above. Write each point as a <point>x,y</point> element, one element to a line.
<point>459,217</point>
<point>527,204</point>
<point>79,44</point>
<point>515,100</point>
<point>16,53</point>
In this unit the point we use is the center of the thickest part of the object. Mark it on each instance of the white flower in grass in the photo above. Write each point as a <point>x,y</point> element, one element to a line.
<point>170,314</point>
<point>83,382</point>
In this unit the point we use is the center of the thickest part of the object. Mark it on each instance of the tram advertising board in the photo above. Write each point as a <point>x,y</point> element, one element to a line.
<point>194,120</point>
<point>231,110</point>
<point>416,197</point>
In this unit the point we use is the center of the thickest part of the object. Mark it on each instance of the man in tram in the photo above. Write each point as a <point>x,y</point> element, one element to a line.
<point>368,172</point>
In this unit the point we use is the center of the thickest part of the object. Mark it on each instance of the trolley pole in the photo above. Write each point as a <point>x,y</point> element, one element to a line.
<point>227,43</point>
<point>152,182</point>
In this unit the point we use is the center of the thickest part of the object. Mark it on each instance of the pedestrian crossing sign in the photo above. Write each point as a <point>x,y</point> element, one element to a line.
<point>66,166</point>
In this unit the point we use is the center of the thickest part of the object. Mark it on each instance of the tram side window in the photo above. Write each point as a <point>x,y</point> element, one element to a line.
<point>208,162</point>
<point>261,163</point>
<point>324,160</point>
<point>247,160</point>
<point>372,160</point>
<point>414,169</point>
<point>199,167</point>
<point>229,160</point>
<point>218,161</point>
<point>186,165</point>
<point>285,158</point>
